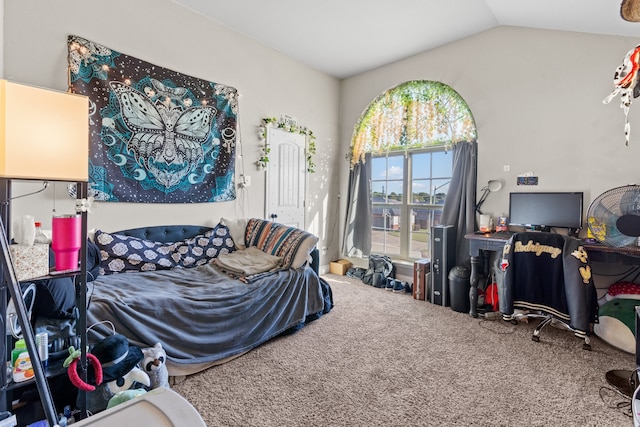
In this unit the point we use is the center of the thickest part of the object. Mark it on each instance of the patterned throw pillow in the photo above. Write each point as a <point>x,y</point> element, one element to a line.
<point>290,243</point>
<point>120,253</point>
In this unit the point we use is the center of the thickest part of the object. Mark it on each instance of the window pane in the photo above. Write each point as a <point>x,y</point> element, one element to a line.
<point>430,189</point>
<point>395,167</point>
<point>394,191</point>
<point>421,191</point>
<point>387,175</point>
<point>378,168</point>
<point>421,167</point>
<point>422,220</point>
<point>384,167</point>
<point>385,233</point>
<point>442,164</point>
<point>439,191</point>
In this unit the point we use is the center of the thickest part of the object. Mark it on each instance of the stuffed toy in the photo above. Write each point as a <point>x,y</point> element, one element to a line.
<point>616,323</point>
<point>617,316</point>
<point>120,371</point>
<point>627,84</point>
<point>154,364</point>
<point>125,396</point>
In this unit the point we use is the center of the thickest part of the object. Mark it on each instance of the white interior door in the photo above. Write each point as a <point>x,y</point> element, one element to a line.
<point>286,178</point>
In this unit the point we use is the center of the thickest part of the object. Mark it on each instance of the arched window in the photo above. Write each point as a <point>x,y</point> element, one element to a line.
<point>414,114</point>
<point>409,130</point>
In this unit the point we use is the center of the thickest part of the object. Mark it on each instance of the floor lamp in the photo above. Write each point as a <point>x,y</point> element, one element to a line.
<point>44,135</point>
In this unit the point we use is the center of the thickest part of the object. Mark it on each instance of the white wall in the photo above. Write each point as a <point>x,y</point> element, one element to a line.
<point>536,96</point>
<point>161,32</point>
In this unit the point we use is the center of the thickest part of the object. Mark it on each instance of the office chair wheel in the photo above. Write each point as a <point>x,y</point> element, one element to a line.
<point>535,338</point>
<point>586,346</point>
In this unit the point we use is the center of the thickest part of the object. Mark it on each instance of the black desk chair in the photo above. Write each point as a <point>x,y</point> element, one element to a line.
<point>548,276</point>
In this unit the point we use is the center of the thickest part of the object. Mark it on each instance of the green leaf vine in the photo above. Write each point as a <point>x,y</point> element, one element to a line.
<point>273,122</point>
<point>414,114</point>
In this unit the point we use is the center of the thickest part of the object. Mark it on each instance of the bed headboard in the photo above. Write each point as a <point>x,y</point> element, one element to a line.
<point>165,233</point>
<point>176,233</point>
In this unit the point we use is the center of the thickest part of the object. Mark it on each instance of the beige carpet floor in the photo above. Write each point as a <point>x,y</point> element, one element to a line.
<point>384,359</point>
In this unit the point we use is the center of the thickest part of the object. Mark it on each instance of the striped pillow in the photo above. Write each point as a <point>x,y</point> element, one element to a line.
<point>290,243</point>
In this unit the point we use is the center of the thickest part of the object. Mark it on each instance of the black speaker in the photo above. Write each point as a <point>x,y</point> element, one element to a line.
<point>443,258</point>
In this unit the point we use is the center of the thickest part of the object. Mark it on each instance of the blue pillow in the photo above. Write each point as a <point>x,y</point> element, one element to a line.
<point>120,253</point>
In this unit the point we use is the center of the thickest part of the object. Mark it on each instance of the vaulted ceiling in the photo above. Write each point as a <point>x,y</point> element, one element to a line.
<point>347,37</point>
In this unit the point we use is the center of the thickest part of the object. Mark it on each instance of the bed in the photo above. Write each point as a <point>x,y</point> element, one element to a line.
<point>200,313</point>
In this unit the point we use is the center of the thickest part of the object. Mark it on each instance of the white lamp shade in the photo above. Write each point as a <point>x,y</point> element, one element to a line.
<point>44,134</point>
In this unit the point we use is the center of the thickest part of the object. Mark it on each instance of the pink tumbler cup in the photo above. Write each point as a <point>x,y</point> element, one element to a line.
<point>66,240</point>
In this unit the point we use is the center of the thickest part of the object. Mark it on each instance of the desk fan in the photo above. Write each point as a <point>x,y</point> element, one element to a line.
<point>613,217</point>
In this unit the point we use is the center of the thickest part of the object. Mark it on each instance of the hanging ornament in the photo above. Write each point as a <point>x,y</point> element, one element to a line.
<point>625,81</point>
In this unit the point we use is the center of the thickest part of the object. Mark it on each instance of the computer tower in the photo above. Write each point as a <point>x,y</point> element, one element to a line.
<point>443,254</point>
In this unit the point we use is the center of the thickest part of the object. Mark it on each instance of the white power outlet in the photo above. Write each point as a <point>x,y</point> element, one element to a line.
<point>245,181</point>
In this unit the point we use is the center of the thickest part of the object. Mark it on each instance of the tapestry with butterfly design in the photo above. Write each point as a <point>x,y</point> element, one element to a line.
<point>156,135</point>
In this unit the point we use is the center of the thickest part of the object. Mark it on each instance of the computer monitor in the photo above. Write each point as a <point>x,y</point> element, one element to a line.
<point>543,211</point>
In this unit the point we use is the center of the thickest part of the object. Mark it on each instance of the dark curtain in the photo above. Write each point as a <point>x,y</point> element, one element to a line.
<point>357,231</point>
<point>459,206</point>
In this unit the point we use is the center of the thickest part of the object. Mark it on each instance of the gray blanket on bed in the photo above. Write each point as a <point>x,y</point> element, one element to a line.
<point>199,314</point>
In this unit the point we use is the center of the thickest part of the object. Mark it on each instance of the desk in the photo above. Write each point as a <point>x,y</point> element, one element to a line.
<point>481,242</point>
<point>628,255</point>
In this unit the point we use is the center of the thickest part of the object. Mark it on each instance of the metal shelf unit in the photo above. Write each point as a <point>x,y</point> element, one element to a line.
<point>9,287</point>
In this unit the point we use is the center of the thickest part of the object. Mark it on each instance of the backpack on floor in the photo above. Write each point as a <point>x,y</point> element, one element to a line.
<point>380,267</point>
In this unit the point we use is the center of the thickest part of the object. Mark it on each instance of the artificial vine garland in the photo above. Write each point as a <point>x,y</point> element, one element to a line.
<point>281,124</point>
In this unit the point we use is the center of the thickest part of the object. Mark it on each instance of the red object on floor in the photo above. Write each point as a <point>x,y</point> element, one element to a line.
<point>491,296</point>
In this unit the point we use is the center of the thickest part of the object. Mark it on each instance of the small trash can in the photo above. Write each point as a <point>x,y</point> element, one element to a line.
<point>459,289</point>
